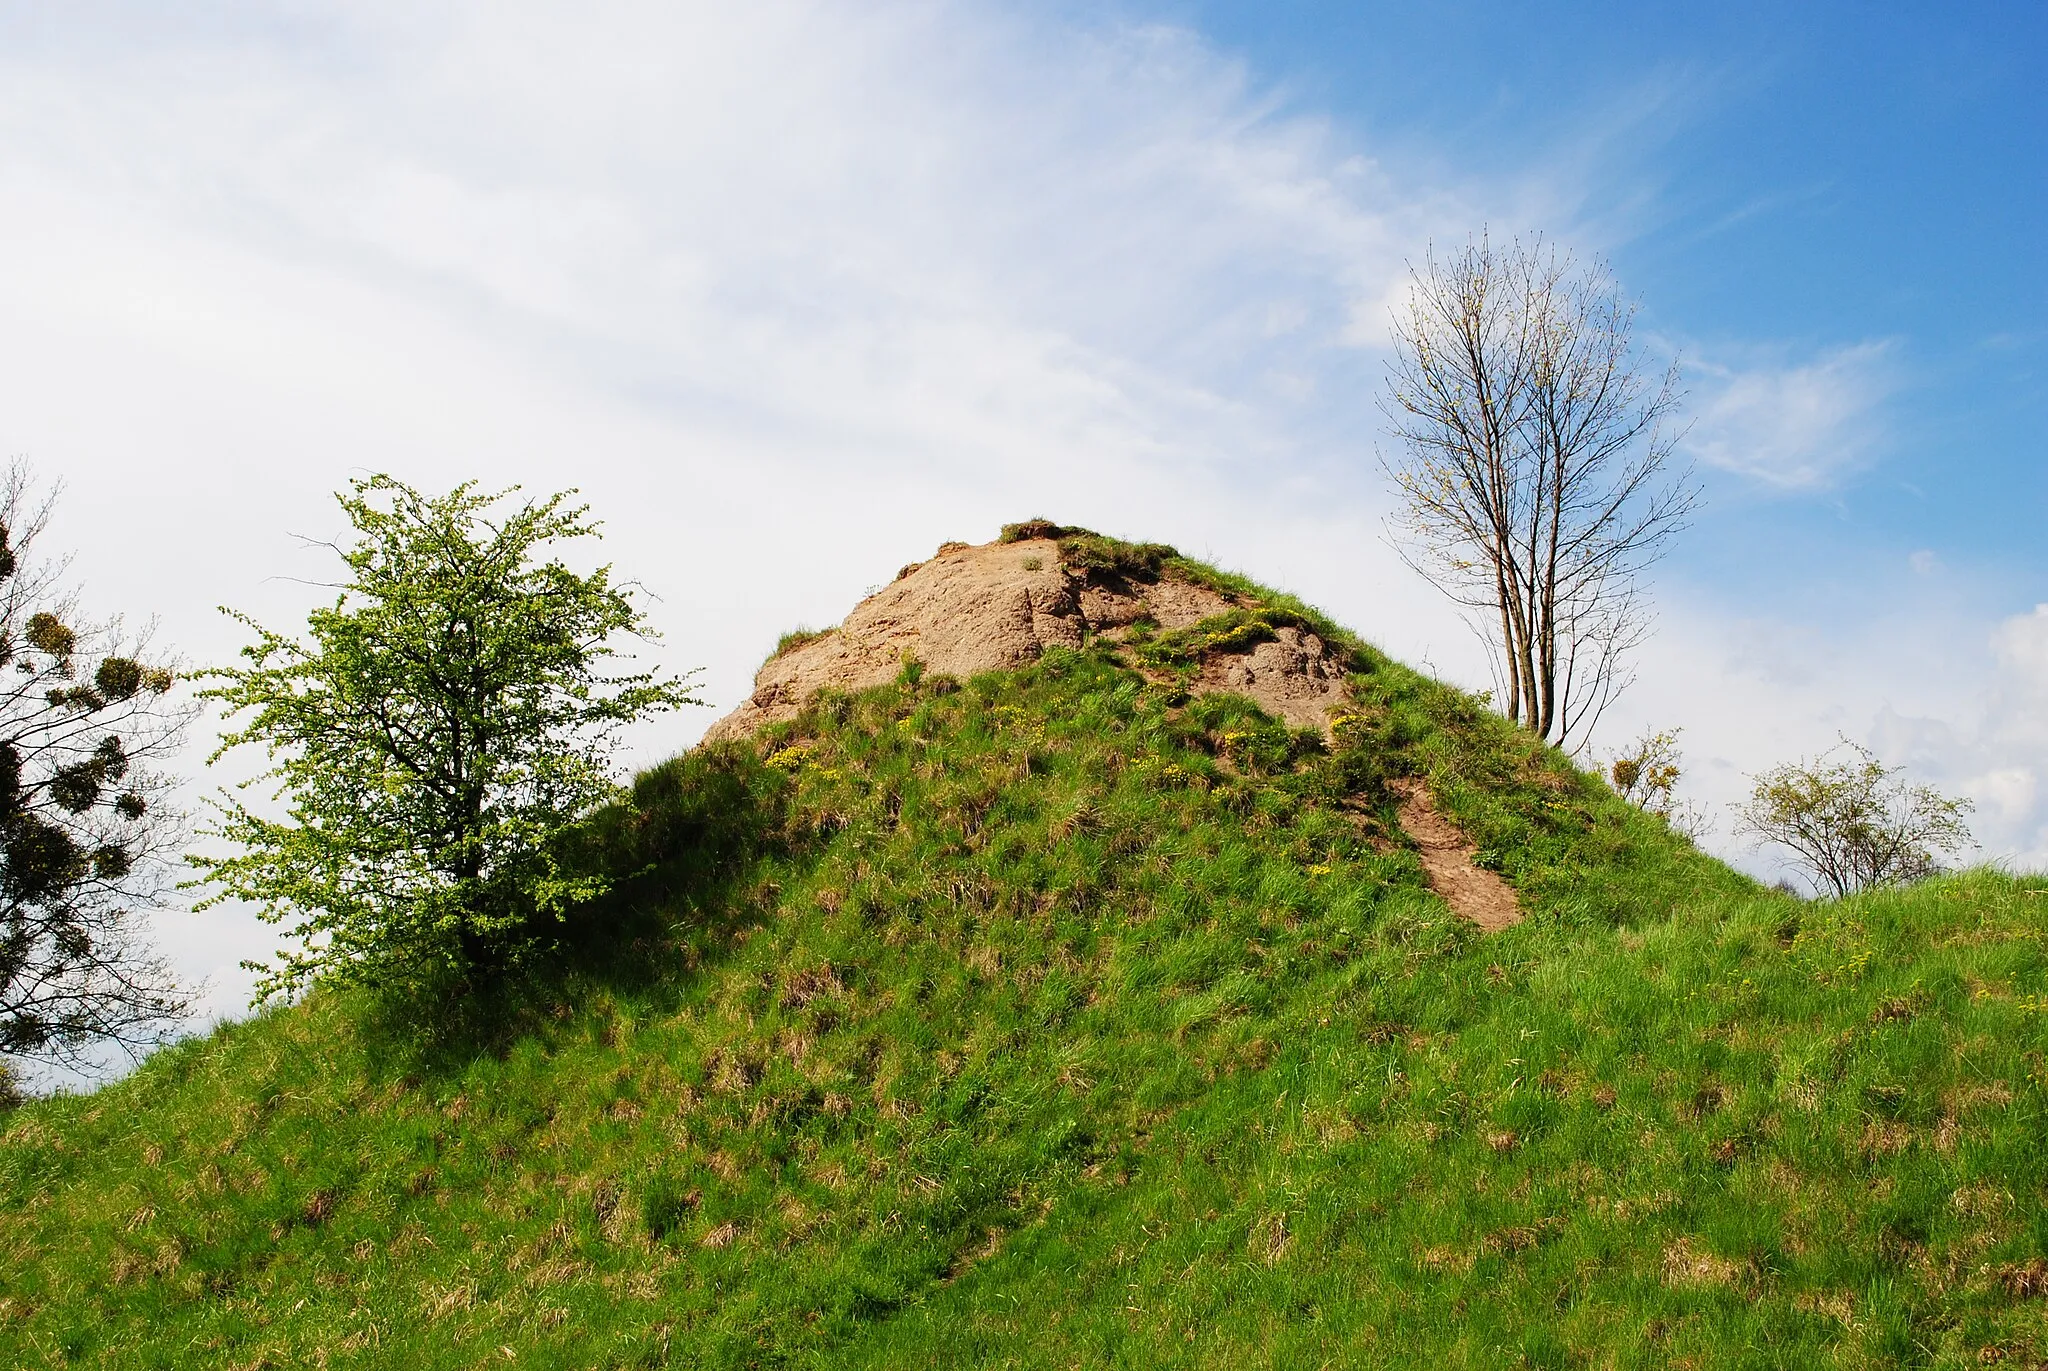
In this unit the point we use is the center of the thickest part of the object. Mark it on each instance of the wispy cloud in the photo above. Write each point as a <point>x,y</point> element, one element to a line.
<point>1995,750</point>
<point>1793,425</point>
<point>793,291</point>
<point>1761,206</point>
<point>788,289</point>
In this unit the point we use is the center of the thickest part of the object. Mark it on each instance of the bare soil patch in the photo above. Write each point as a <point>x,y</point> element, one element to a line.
<point>1447,856</point>
<point>967,610</point>
<point>1294,676</point>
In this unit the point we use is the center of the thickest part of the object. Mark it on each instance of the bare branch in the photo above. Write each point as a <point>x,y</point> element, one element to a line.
<point>86,827</point>
<point>1533,447</point>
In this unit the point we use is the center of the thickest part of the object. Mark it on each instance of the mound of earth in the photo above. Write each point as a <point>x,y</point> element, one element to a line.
<point>997,606</point>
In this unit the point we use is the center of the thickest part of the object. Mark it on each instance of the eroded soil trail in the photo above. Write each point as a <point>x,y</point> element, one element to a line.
<point>1447,856</point>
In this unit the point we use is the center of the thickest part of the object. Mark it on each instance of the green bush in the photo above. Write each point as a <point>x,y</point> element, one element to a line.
<point>445,723</point>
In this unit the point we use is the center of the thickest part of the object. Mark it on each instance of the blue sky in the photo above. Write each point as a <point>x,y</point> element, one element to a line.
<point>1801,177</point>
<point>795,291</point>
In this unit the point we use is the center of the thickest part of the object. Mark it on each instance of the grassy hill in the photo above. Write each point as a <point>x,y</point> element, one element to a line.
<point>1055,1019</point>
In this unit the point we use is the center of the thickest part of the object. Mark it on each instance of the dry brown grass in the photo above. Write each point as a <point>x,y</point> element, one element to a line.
<point>1688,1264</point>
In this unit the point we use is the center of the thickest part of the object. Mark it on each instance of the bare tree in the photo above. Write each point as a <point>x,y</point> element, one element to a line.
<point>85,831</point>
<point>1533,446</point>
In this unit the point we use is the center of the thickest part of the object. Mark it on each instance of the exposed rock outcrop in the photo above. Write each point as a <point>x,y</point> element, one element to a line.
<point>999,605</point>
<point>1293,676</point>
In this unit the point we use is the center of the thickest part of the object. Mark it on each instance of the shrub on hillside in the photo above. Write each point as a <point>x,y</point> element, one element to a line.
<point>451,718</point>
<point>1852,822</point>
<point>1647,776</point>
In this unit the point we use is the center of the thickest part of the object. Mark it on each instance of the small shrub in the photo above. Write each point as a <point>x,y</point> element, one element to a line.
<point>1647,776</point>
<point>1852,822</point>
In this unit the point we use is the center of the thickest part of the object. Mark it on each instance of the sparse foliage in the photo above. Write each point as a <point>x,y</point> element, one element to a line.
<point>1533,442</point>
<point>85,827</point>
<point>1647,776</point>
<point>450,717</point>
<point>1852,822</point>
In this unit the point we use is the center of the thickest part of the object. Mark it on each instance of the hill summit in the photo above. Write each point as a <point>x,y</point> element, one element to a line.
<point>999,606</point>
<point>1006,984</point>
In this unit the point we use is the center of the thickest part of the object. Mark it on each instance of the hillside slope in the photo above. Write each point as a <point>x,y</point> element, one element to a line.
<point>1068,1015</point>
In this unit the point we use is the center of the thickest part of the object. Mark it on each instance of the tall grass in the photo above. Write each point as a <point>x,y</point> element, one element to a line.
<point>1041,1020</point>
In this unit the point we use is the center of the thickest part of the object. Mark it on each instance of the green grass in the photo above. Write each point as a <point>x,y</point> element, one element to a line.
<point>1044,1020</point>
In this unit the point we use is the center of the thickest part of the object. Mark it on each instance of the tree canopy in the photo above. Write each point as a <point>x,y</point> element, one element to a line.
<point>442,724</point>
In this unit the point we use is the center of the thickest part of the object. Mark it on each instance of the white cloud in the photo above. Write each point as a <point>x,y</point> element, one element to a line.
<point>2021,643</point>
<point>1792,425</point>
<point>792,291</point>
<point>1998,753</point>
<point>1923,684</point>
<point>1993,749</point>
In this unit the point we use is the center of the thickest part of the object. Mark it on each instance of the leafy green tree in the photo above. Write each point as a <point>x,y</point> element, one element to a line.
<point>85,835</point>
<point>1852,822</point>
<point>450,716</point>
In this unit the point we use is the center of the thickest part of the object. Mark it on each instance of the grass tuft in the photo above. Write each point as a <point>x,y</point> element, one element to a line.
<point>798,637</point>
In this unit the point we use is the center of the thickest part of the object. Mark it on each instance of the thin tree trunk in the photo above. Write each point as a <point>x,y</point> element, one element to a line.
<point>1532,445</point>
